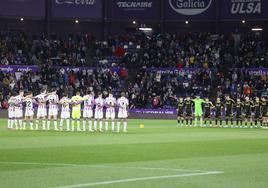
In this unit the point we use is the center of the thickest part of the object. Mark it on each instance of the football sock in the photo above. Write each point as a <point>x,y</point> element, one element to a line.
<point>106,125</point>
<point>68,124</point>
<point>24,124</point>
<point>44,124</point>
<point>36,124</point>
<point>55,125</point>
<point>90,124</point>
<point>125,126</point>
<point>100,125</point>
<point>112,125</point>
<point>31,124</point>
<point>118,126</point>
<point>48,124</point>
<point>84,125</point>
<point>20,123</point>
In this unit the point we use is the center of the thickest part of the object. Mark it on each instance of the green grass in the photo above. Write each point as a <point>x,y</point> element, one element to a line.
<point>34,159</point>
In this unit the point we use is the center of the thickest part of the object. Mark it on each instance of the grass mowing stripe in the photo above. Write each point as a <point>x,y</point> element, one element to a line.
<point>95,166</point>
<point>139,179</point>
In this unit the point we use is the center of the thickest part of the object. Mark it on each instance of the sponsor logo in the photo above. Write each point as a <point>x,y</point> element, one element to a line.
<point>135,4</point>
<point>75,2</point>
<point>190,7</point>
<point>246,7</point>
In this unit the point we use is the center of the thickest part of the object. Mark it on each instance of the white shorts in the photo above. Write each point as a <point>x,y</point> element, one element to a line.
<point>11,113</point>
<point>41,112</point>
<point>65,114</point>
<point>110,113</point>
<point>29,112</point>
<point>18,113</point>
<point>87,113</point>
<point>98,114</point>
<point>122,114</point>
<point>52,112</point>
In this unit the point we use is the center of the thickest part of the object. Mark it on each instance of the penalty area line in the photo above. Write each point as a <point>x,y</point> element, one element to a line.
<point>139,179</point>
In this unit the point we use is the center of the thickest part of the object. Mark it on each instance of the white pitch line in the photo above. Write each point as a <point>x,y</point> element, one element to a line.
<point>97,166</point>
<point>139,179</point>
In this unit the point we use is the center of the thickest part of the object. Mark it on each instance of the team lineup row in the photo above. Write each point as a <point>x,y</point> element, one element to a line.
<point>229,110</point>
<point>93,108</point>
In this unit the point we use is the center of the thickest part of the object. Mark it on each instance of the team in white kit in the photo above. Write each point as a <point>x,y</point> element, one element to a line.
<point>49,105</point>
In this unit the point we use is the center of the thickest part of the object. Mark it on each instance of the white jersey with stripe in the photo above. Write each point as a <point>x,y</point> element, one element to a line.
<point>65,106</point>
<point>99,102</point>
<point>41,100</point>
<point>11,104</point>
<point>53,100</point>
<point>88,102</point>
<point>18,100</point>
<point>110,103</point>
<point>122,103</point>
<point>28,104</point>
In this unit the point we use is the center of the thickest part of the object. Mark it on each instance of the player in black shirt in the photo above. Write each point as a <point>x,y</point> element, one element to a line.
<point>248,105</point>
<point>218,111</point>
<point>238,106</point>
<point>264,111</point>
<point>257,112</point>
<point>229,111</point>
<point>207,112</point>
<point>188,104</point>
<point>180,112</point>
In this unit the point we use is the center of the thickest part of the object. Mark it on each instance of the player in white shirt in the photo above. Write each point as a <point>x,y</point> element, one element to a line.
<point>65,111</point>
<point>41,100</point>
<point>29,110</point>
<point>18,109</point>
<point>122,104</point>
<point>99,102</point>
<point>11,112</point>
<point>110,103</point>
<point>88,110</point>
<point>53,100</point>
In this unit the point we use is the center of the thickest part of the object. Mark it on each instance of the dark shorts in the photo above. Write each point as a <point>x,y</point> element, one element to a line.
<point>228,114</point>
<point>218,114</point>
<point>180,113</point>
<point>189,114</point>
<point>207,115</point>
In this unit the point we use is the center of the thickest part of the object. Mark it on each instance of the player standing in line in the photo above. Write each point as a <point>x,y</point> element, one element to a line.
<point>218,111</point>
<point>76,110</point>
<point>11,111</point>
<point>198,112</point>
<point>122,104</point>
<point>110,102</point>
<point>229,111</point>
<point>65,111</point>
<point>18,109</point>
<point>180,112</point>
<point>99,103</point>
<point>41,100</point>
<point>88,110</point>
<point>188,111</point>
<point>238,106</point>
<point>29,110</point>
<point>264,111</point>
<point>53,100</point>
<point>248,109</point>
<point>257,112</point>
<point>207,112</point>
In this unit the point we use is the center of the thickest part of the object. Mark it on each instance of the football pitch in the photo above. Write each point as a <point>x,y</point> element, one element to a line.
<point>159,155</point>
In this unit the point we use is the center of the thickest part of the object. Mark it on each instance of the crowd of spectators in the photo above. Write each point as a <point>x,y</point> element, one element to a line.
<point>161,90</point>
<point>185,51</point>
<point>214,56</point>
